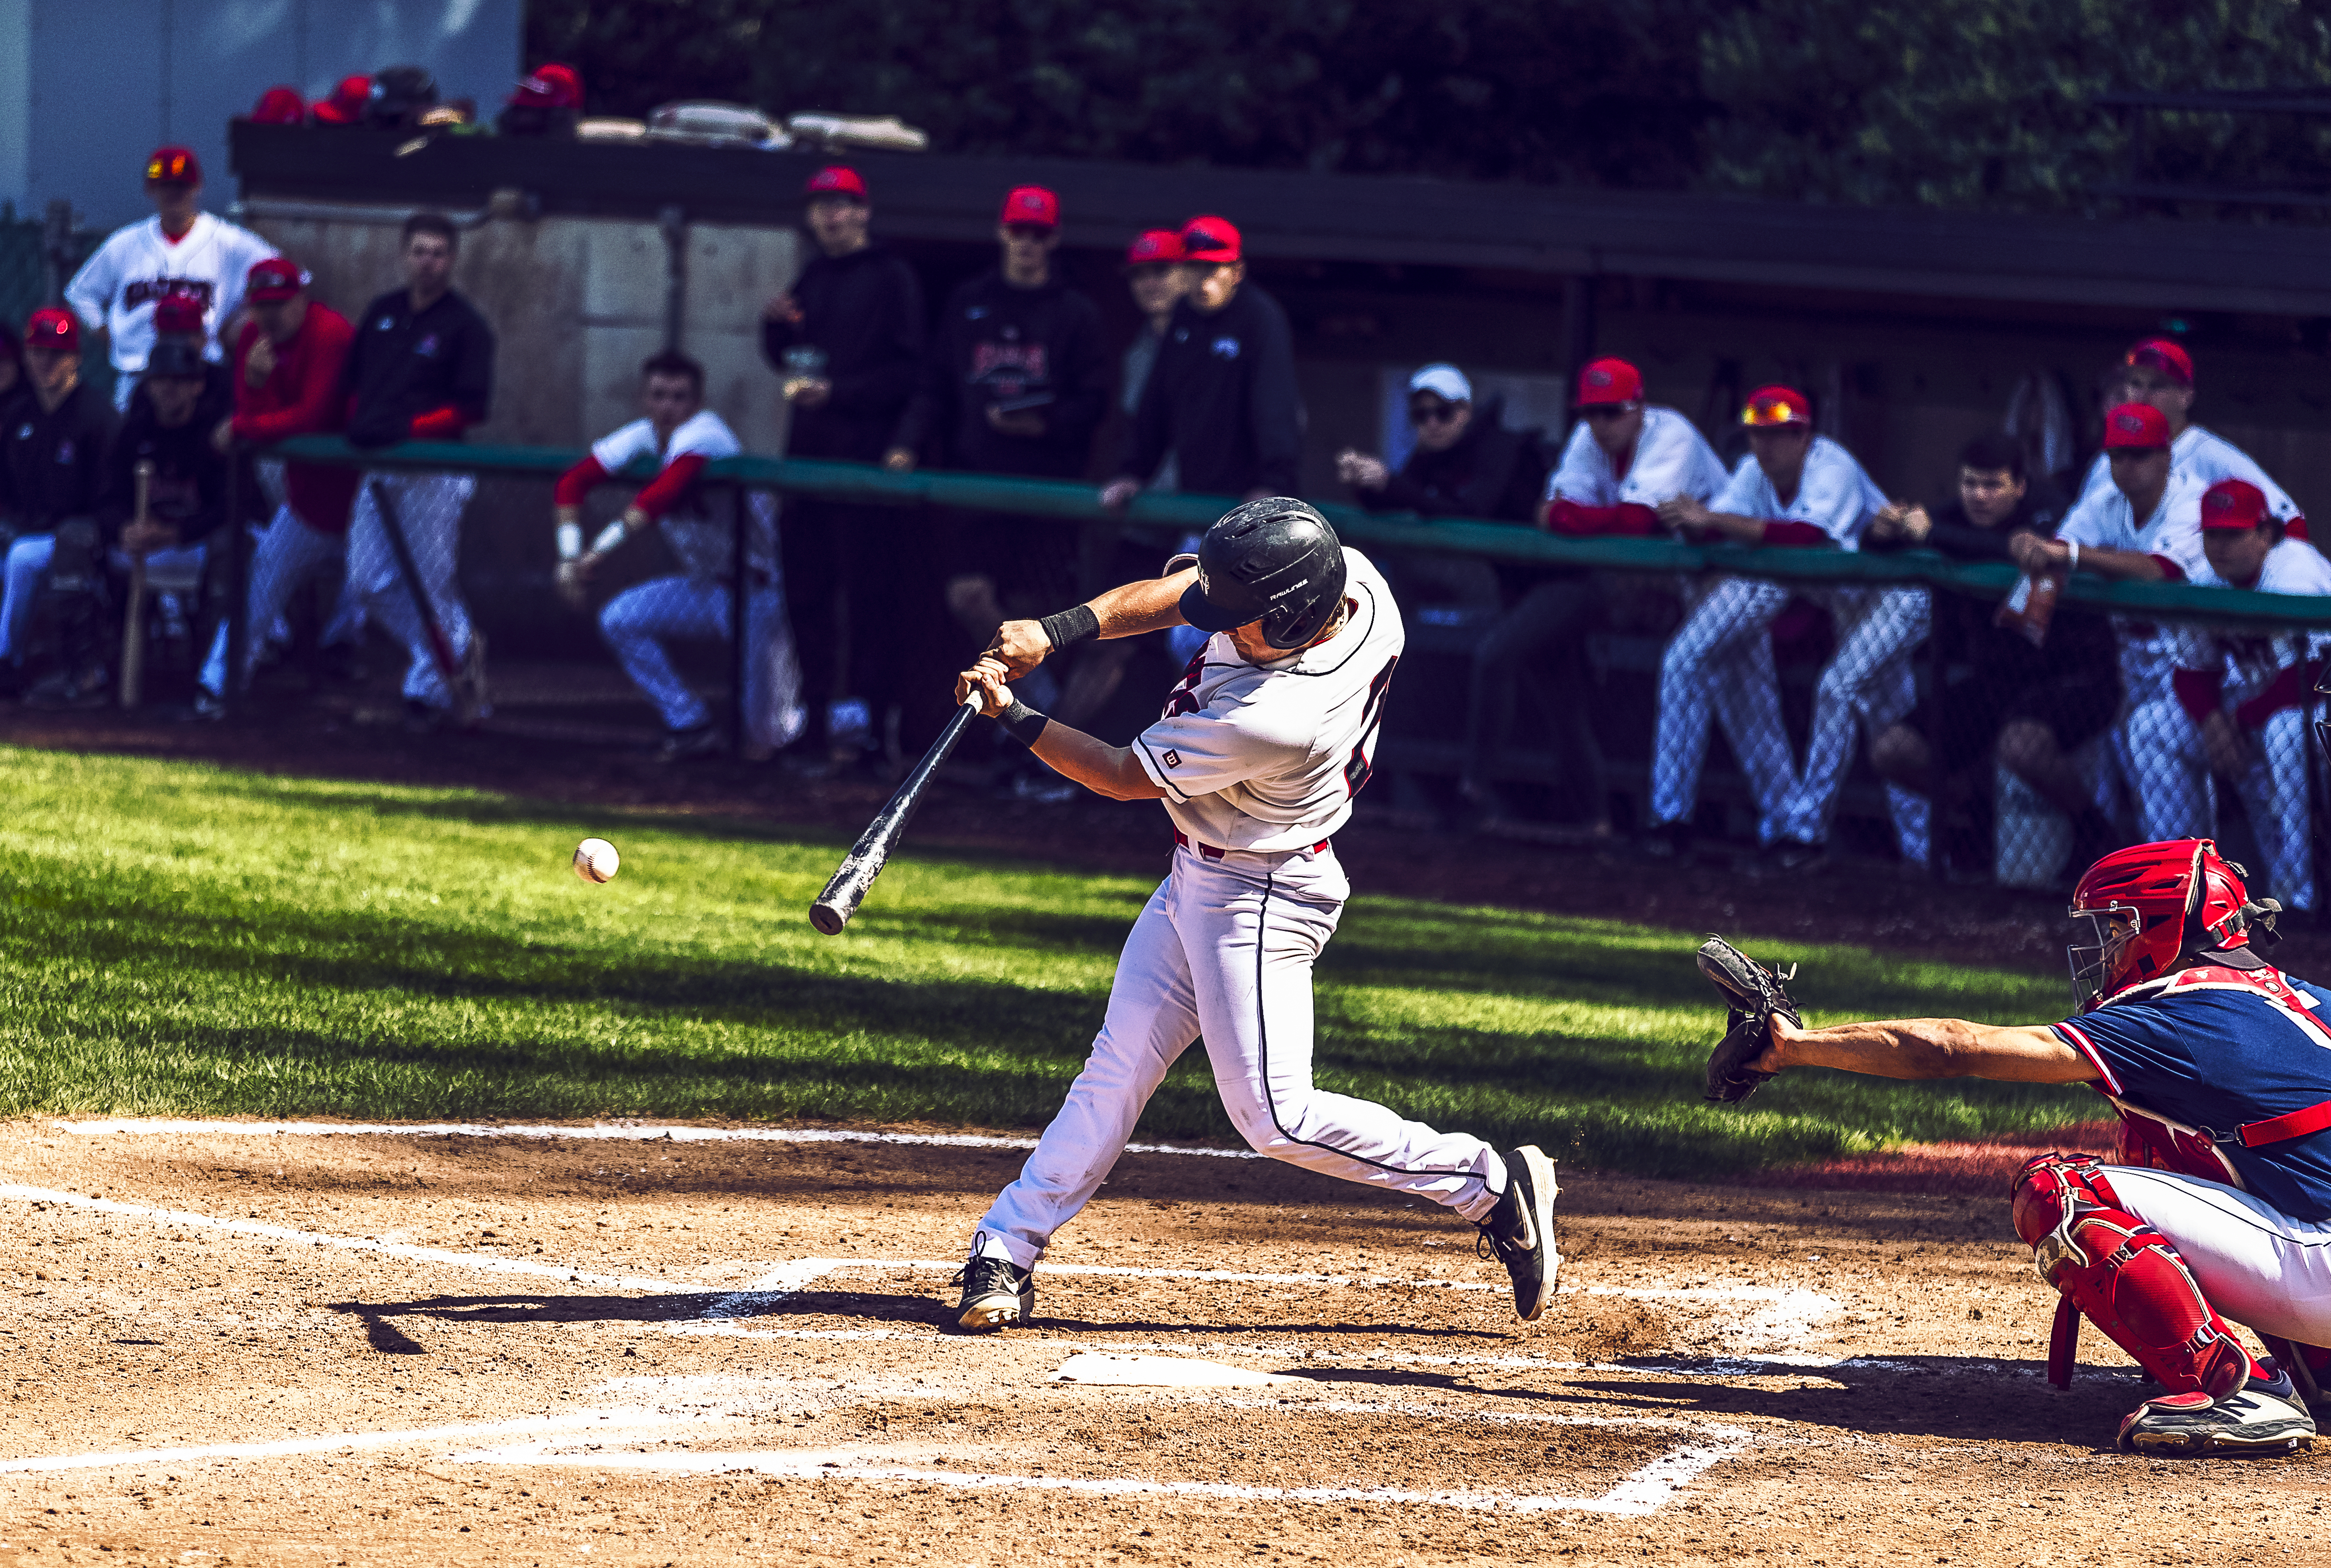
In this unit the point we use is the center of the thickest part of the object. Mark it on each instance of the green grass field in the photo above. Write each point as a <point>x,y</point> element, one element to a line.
<point>181,939</point>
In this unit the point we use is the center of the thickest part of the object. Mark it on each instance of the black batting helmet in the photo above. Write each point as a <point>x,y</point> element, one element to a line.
<point>1274,560</point>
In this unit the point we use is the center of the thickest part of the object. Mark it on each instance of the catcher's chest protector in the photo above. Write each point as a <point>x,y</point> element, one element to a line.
<point>2126,1275</point>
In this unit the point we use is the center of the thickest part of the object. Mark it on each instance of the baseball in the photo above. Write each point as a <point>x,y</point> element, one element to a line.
<point>595,861</point>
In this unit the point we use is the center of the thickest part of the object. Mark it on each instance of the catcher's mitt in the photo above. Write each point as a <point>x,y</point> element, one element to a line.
<point>1752,994</point>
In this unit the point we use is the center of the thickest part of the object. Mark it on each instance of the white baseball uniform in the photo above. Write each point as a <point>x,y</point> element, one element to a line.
<point>695,602</point>
<point>118,286</point>
<point>1671,459</point>
<point>2165,805</point>
<point>2204,456</point>
<point>1258,764</point>
<point>2247,666</point>
<point>1729,633</point>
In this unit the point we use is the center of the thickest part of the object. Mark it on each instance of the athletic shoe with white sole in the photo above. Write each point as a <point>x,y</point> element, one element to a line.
<point>2262,1418</point>
<point>1520,1230</point>
<point>996,1294</point>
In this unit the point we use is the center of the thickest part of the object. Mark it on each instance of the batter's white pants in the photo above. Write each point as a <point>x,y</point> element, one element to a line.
<point>1224,949</point>
<point>2256,1264</point>
<point>2273,788</point>
<point>428,506</point>
<point>639,621</point>
<point>1868,685</point>
<point>283,555</point>
<point>1719,668</point>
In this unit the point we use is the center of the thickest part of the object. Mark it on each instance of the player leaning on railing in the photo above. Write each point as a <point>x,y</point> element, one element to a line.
<point>2219,1207</point>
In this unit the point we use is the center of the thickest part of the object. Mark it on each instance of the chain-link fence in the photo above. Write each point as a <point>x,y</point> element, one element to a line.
<point>1769,705</point>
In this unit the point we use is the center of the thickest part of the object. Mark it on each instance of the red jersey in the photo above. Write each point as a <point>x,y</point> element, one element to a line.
<point>302,396</point>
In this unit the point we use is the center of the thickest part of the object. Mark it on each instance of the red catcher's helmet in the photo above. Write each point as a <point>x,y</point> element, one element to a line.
<point>2149,903</point>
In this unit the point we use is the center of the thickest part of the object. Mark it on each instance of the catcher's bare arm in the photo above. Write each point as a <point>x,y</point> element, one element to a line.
<point>1928,1048</point>
<point>1152,604</point>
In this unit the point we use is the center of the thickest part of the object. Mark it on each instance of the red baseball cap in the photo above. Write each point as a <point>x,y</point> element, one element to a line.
<point>1151,247</point>
<point>1031,206</point>
<point>2162,355</point>
<point>347,104</point>
<point>2234,504</point>
<point>178,315</point>
<point>1769,408</point>
<point>172,166</point>
<point>49,327</point>
<point>276,278</point>
<point>280,106</point>
<point>835,181</point>
<point>1605,382</point>
<point>1211,239</point>
<point>2136,425</point>
<point>552,86</point>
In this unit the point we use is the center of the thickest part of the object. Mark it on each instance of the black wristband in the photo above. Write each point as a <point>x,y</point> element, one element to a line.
<point>1021,722</point>
<point>1069,626</point>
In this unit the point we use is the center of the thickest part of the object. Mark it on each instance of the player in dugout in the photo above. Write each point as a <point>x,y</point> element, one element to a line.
<point>698,524</point>
<point>2159,373</point>
<point>2217,1204</point>
<point>55,482</point>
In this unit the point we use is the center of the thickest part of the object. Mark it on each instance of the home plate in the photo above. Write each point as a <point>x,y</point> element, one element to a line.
<point>1096,1367</point>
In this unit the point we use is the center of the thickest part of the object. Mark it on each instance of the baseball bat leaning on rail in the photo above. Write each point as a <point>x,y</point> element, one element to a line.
<point>440,647</point>
<point>864,862</point>
<point>133,620</point>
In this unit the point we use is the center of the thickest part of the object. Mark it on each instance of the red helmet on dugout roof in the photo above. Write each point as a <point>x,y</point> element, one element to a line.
<point>2146,905</point>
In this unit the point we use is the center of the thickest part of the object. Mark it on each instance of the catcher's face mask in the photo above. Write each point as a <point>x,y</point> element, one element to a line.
<point>2097,959</point>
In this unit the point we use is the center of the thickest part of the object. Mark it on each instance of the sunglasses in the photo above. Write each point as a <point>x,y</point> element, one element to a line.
<point>1432,413</point>
<point>169,170</point>
<point>1768,413</point>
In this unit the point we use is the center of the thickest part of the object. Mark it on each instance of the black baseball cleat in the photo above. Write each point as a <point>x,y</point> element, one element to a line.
<point>2262,1418</point>
<point>996,1294</point>
<point>1520,1230</point>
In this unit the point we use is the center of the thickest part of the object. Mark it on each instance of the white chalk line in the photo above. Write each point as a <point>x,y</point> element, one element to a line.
<point>605,1421</point>
<point>603,1131</point>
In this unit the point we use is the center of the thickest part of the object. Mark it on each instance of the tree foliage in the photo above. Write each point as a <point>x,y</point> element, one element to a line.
<point>1953,103</point>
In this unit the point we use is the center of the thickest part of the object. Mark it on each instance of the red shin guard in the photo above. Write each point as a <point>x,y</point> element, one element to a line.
<point>2126,1276</point>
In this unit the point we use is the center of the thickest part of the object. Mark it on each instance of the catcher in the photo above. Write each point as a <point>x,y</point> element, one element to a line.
<point>2219,1203</point>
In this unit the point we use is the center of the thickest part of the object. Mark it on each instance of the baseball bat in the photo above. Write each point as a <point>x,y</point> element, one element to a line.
<point>133,621</point>
<point>867,857</point>
<point>441,648</point>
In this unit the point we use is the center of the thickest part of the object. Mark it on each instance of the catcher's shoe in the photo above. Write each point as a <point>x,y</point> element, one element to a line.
<point>1520,1230</point>
<point>996,1294</point>
<point>2260,1419</point>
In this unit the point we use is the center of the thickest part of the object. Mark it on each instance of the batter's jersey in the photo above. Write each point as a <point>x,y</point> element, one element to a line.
<point>1266,757</point>
<point>2173,532</point>
<point>2205,457</point>
<point>1671,459</point>
<point>2211,1050</point>
<point>1833,494</point>
<point>700,527</point>
<point>118,286</point>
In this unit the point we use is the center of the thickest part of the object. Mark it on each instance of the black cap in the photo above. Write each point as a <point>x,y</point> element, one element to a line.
<point>175,356</point>
<point>1273,560</point>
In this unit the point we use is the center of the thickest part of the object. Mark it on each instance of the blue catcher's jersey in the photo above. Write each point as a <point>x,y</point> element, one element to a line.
<point>2203,1052</point>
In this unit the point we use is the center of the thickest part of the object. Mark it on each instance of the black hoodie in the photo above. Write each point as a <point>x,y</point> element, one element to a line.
<point>189,473</point>
<point>995,344</point>
<point>54,465</point>
<point>1223,399</point>
<point>865,310</point>
<point>1491,473</point>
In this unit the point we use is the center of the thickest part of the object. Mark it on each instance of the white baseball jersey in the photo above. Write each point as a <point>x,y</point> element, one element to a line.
<point>1672,458</point>
<point>2206,458</point>
<point>116,288</point>
<point>2105,519</point>
<point>1266,757</point>
<point>700,537</point>
<point>1833,494</point>
<point>2250,660</point>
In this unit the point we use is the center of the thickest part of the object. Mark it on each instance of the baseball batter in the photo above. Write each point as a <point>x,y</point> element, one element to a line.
<point>180,252</point>
<point>2219,1066</point>
<point>1257,756</point>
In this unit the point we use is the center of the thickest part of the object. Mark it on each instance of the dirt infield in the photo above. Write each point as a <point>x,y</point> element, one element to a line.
<point>240,1347</point>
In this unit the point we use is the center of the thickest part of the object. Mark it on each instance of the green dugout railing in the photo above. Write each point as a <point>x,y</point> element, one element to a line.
<point>869,485</point>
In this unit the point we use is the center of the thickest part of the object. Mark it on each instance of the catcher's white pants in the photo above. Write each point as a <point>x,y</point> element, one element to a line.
<point>2256,1264</point>
<point>639,621</point>
<point>1868,685</point>
<point>429,507</point>
<point>1224,947</point>
<point>2273,788</point>
<point>1718,668</point>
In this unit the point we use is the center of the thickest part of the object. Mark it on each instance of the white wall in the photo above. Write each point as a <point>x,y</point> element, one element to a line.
<point>88,88</point>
